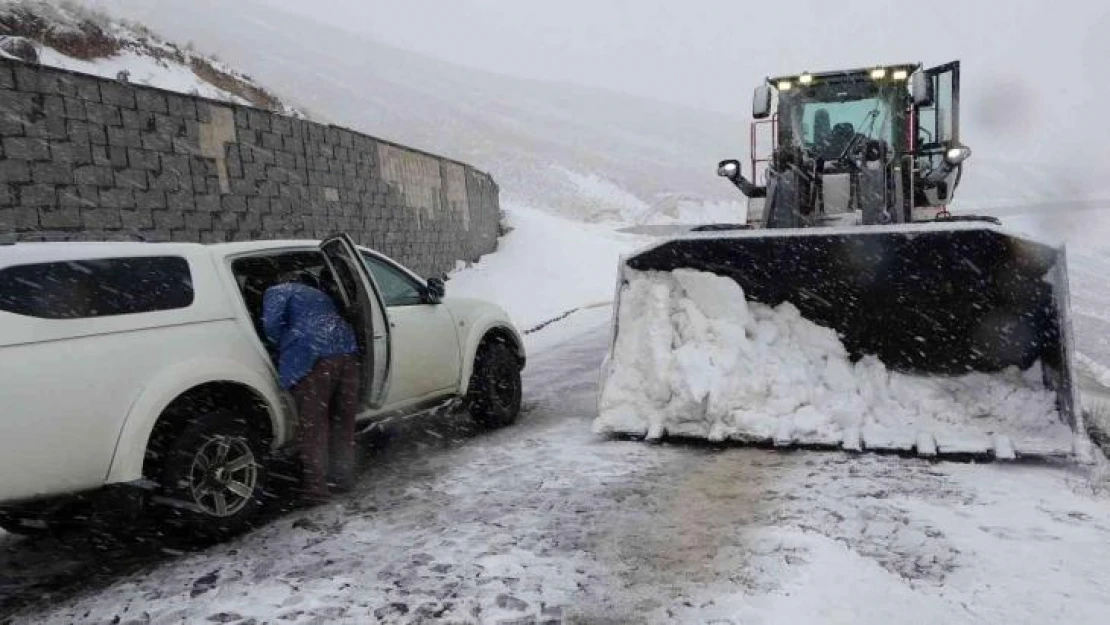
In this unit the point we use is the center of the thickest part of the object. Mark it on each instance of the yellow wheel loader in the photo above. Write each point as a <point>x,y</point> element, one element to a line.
<point>848,224</point>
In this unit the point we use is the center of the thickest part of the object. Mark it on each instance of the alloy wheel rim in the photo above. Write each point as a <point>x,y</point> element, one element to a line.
<point>223,475</point>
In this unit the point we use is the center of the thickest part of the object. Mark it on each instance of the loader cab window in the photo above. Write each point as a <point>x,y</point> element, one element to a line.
<point>823,118</point>
<point>828,127</point>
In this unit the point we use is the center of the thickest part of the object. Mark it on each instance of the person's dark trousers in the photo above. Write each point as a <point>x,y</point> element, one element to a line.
<point>327,402</point>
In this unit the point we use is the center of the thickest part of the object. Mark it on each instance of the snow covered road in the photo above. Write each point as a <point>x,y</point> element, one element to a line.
<point>544,522</point>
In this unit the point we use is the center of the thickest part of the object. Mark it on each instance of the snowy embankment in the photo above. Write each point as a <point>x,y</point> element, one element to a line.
<point>694,358</point>
<point>143,70</point>
<point>546,267</point>
<point>75,37</point>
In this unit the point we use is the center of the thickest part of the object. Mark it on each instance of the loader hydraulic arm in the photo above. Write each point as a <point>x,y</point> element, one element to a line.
<point>731,169</point>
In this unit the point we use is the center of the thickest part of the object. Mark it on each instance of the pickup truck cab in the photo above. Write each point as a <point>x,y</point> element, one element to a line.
<point>143,364</point>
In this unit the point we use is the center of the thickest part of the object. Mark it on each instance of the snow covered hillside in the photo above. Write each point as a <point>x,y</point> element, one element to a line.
<point>73,37</point>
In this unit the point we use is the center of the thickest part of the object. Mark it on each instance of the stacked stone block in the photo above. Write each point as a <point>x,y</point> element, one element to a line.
<point>84,158</point>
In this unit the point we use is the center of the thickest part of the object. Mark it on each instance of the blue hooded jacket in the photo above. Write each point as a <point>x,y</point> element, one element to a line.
<point>306,326</point>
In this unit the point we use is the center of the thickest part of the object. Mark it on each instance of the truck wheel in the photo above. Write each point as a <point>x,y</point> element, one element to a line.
<point>495,387</point>
<point>216,468</point>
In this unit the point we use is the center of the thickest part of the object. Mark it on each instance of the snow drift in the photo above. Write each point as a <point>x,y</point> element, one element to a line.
<point>545,267</point>
<point>694,358</point>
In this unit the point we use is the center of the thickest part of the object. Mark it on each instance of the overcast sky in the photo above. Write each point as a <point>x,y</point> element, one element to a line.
<point>1033,71</point>
<point>695,50</point>
<point>1034,86</point>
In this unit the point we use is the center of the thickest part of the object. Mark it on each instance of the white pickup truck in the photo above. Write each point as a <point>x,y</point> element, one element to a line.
<point>144,364</point>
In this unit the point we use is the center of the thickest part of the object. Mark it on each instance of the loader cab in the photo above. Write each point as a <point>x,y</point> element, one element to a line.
<point>836,130</point>
<point>869,146</point>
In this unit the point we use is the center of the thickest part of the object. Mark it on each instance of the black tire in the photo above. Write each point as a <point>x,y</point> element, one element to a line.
<point>495,387</point>
<point>217,469</point>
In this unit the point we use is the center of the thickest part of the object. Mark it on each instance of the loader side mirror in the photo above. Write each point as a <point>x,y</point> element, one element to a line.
<point>761,102</point>
<point>729,169</point>
<point>919,89</point>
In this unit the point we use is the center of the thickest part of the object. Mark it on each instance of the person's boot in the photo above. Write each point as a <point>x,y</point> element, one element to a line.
<point>341,473</point>
<point>341,483</point>
<point>313,496</point>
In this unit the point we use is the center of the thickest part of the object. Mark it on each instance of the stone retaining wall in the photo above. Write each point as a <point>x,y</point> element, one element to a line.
<point>85,158</point>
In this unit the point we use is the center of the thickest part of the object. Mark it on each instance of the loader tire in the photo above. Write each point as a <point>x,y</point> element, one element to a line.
<point>495,387</point>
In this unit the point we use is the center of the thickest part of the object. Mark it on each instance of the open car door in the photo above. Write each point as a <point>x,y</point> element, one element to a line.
<point>937,126</point>
<point>366,308</point>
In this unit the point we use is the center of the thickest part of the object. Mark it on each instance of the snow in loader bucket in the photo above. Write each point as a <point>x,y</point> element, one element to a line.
<point>938,339</point>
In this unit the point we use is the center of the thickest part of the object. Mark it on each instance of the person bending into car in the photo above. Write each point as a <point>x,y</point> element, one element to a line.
<point>318,362</point>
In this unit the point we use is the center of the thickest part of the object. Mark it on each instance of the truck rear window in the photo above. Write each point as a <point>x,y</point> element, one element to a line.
<point>99,287</point>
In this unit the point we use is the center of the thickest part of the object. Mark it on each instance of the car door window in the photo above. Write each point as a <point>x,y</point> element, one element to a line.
<point>398,288</point>
<point>256,273</point>
<point>367,304</point>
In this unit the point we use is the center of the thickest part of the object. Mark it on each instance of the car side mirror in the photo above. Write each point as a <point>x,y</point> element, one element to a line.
<point>761,102</point>
<point>436,290</point>
<point>919,89</point>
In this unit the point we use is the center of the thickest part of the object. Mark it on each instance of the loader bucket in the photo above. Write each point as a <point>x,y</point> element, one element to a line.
<point>934,299</point>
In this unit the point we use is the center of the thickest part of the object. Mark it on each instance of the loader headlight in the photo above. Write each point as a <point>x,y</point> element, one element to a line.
<point>957,155</point>
<point>805,79</point>
<point>900,74</point>
<point>878,73</point>
<point>785,85</point>
<point>728,169</point>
